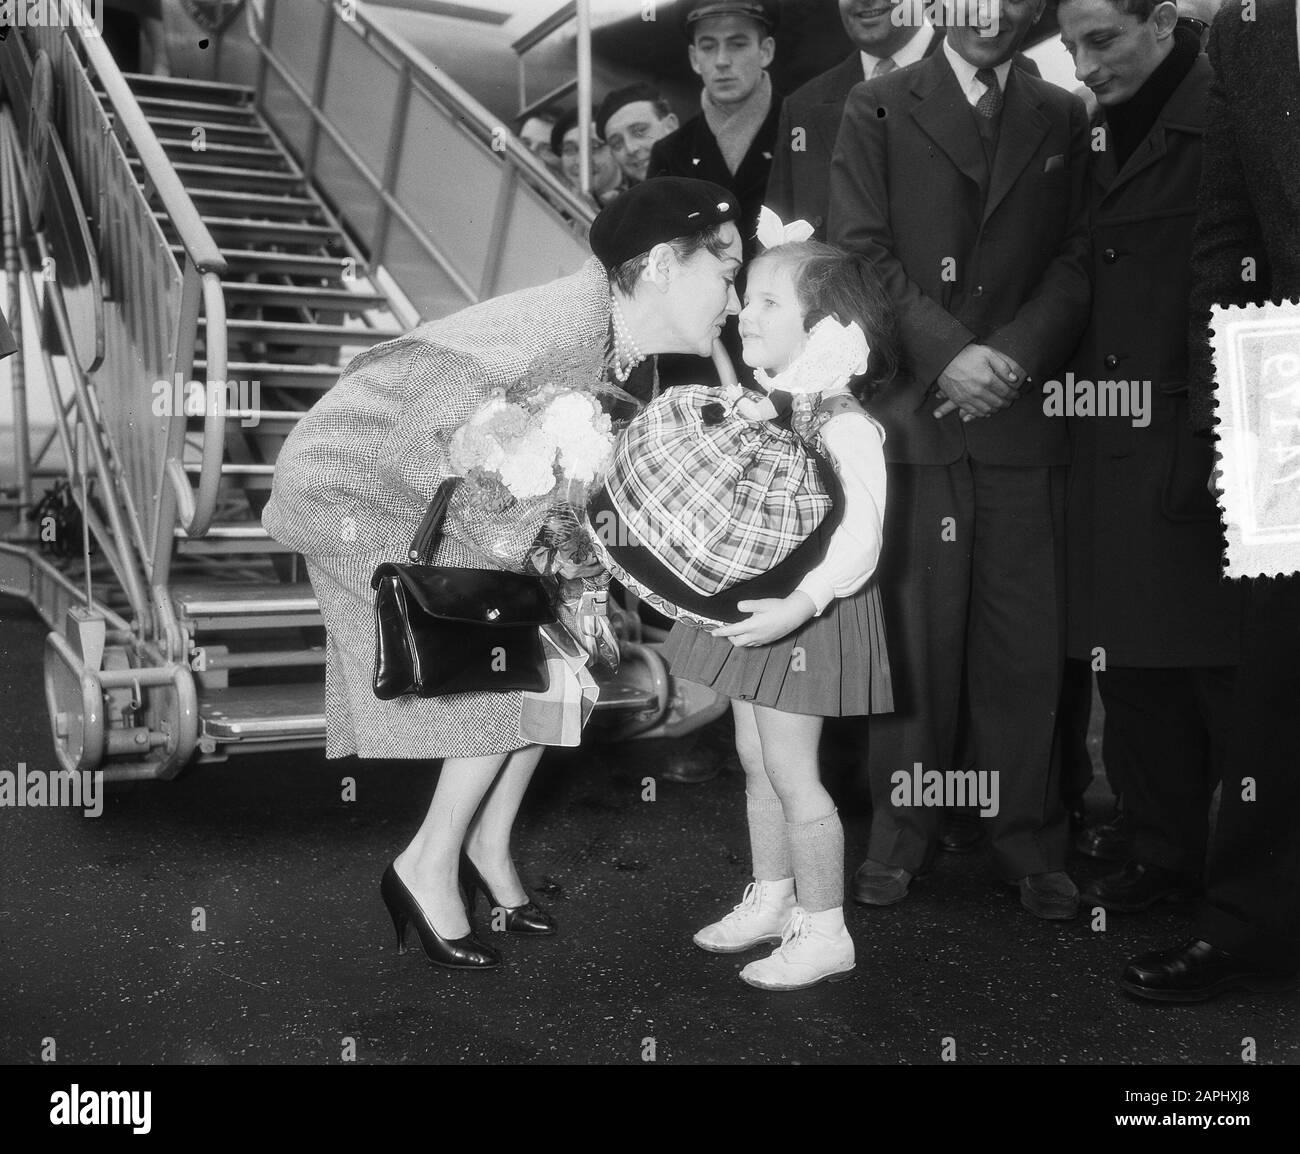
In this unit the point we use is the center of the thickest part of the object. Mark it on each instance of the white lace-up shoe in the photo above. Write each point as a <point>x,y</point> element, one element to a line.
<point>814,948</point>
<point>759,918</point>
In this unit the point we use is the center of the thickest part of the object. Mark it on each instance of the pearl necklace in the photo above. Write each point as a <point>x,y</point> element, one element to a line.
<point>625,348</point>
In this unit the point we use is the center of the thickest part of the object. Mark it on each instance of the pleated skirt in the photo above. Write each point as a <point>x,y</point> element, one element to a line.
<point>356,721</point>
<point>836,665</point>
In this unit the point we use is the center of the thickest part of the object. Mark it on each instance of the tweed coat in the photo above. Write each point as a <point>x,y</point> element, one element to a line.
<point>356,475</point>
<point>1142,529</point>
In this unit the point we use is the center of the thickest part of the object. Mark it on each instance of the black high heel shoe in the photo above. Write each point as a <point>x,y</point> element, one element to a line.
<point>466,953</point>
<point>529,918</point>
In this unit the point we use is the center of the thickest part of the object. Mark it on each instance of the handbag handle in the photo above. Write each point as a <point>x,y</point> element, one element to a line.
<point>429,533</point>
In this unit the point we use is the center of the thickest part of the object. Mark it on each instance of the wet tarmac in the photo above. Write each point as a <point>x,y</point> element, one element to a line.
<point>297,962</point>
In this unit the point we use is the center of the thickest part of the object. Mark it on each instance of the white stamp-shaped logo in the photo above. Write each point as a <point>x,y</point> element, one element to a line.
<point>1257,368</point>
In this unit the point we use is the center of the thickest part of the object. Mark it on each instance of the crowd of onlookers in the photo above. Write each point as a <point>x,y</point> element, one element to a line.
<point>625,126</point>
<point>1024,234</point>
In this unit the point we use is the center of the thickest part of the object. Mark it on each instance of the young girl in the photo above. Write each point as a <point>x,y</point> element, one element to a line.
<point>811,313</point>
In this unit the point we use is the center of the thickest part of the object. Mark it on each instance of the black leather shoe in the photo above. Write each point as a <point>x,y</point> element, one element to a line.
<point>466,953</point>
<point>1105,841</point>
<point>529,918</point>
<point>877,884</point>
<point>690,769</point>
<point>1197,971</point>
<point>1052,896</point>
<point>962,831</point>
<point>1139,886</point>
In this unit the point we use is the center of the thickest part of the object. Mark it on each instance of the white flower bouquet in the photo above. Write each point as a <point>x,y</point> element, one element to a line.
<point>530,458</point>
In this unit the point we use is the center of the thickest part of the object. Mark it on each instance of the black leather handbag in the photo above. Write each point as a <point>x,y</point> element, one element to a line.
<point>441,630</point>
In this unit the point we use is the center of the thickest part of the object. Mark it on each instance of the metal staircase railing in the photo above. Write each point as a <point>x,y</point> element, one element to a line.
<point>429,184</point>
<point>224,224</point>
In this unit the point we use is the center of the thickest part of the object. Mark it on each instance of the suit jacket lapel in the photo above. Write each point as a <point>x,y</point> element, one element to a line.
<point>1022,131</point>
<point>842,79</point>
<point>943,114</point>
<point>1183,112</point>
<point>1102,163</point>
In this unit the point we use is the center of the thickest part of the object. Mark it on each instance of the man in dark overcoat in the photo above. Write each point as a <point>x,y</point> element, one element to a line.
<point>1247,929</point>
<point>962,180</point>
<point>730,140</point>
<point>1147,603</point>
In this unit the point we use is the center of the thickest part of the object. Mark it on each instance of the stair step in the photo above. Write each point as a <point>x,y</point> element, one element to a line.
<point>253,204</point>
<point>224,155</point>
<point>245,537</point>
<point>280,376</point>
<point>168,128</point>
<point>198,176</point>
<point>231,469</point>
<point>263,713</point>
<point>302,296</point>
<point>208,605</point>
<point>243,531</point>
<point>261,420</point>
<point>199,110</point>
<point>289,263</point>
<point>239,232</point>
<point>284,332</point>
<point>211,90</point>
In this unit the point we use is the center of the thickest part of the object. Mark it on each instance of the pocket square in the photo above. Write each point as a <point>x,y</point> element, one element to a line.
<point>1055,163</point>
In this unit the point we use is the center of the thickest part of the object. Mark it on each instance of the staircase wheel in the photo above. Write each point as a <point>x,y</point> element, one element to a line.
<point>76,709</point>
<point>171,710</point>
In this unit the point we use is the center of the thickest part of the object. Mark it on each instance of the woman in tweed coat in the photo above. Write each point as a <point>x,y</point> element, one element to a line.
<point>356,475</point>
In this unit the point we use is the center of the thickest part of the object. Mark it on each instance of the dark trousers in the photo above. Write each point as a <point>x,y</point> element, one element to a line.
<point>972,577</point>
<point>1166,731</point>
<point>1072,734</point>
<point>1252,893</point>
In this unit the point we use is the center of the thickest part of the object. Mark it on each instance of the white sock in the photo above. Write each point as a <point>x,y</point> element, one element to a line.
<point>829,921</point>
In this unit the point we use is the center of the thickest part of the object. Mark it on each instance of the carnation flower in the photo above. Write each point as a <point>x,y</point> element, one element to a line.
<point>583,459</point>
<point>568,413</point>
<point>528,469</point>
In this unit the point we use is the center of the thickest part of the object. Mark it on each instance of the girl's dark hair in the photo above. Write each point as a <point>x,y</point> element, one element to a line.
<point>832,283</point>
<point>626,275</point>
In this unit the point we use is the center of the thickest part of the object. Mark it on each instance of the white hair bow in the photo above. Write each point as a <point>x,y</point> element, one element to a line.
<point>834,354</point>
<point>772,232</point>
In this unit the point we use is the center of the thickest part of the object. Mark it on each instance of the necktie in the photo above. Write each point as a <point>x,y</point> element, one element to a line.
<point>883,67</point>
<point>990,104</point>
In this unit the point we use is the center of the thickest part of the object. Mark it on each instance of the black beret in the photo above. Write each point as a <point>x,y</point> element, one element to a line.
<point>767,12</point>
<point>657,210</point>
<point>621,98</point>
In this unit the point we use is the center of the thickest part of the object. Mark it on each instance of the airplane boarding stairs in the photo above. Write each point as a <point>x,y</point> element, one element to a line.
<point>216,646</point>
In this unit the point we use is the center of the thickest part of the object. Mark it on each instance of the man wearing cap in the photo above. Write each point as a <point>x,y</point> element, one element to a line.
<point>730,142</point>
<point>630,120</point>
<point>962,180</point>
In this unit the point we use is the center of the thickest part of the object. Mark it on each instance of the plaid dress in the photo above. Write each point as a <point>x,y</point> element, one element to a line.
<point>357,473</point>
<point>834,665</point>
